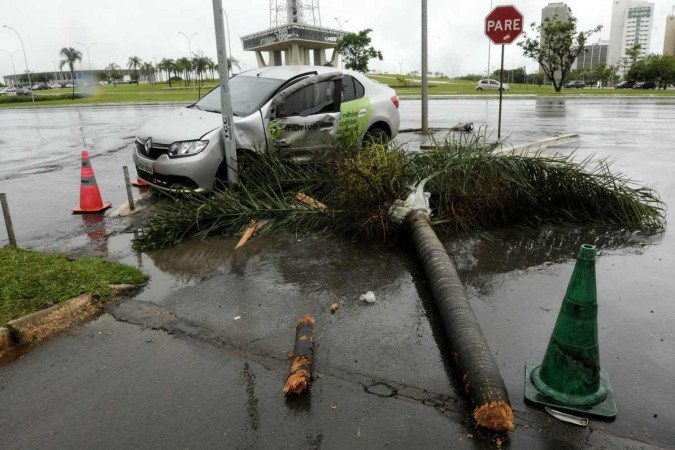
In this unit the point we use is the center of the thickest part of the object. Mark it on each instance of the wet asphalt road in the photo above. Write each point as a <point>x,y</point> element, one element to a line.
<point>203,378</point>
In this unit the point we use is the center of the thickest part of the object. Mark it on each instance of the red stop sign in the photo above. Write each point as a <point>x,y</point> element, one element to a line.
<point>504,24</point>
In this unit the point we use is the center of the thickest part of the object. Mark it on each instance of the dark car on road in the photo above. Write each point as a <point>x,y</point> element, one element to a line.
<point>644,85</point>
<point>575,84</point>
<point>625,85</point>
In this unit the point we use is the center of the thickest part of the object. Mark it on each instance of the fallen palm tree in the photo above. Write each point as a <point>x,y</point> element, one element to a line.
<point>466,187</point>
<point>471,188</point>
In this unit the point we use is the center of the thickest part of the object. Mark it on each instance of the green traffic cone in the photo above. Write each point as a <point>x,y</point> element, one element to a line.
<point>570,377</point>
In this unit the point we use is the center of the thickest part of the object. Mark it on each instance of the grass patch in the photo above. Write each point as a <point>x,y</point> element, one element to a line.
<point>31,281</point>
<point>471,187</point>
<point>121,93</point>
<point>443,86</point>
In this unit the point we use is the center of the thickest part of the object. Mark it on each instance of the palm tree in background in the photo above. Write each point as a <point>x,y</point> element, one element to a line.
<point>232,61</point>
<point>69,56</point>
<point>134,64</point>
<point>169,66</point>
<point>112,70</point>
<point>149,71</point>
<point>184,65</point>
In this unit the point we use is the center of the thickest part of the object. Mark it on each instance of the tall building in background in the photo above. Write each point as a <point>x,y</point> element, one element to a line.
<point>669,41</point>
<point>632,23</point>
<point>561,10</point>
<point>594,55</point>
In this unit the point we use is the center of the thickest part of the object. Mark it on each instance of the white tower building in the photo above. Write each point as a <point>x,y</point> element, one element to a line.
<point>632,23</point>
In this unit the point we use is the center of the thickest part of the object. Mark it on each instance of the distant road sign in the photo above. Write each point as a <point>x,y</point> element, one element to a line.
<point>504,24</point>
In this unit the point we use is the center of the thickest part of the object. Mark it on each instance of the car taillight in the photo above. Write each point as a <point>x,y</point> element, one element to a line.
<point>395,100</point>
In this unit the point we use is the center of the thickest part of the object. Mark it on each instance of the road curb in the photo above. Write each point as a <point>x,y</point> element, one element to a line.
<point>45,323</point>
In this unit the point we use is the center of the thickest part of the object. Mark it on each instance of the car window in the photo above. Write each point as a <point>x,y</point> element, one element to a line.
<point>348,92</point>
<point>352,89</point>
<point>248,95</point>
<point>313,99</point>
<point>494,82</point>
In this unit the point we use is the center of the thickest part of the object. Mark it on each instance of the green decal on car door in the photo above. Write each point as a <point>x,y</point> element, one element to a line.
<point>354,117</point>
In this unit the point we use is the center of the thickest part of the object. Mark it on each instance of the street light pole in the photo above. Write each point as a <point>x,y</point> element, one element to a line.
<point>25,60</point>
<point>86,47</point>
<point>189,41</point>
<point>13,67</point>
<point>225,99</point>
<point>425,69</point>
<point>340,23</point>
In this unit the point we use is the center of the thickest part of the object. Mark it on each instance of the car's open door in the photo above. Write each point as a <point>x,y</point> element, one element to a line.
<point>303,119</point>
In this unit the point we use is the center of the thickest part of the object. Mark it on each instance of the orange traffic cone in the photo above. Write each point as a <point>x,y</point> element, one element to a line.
<point>90,196</point>
<point>139,183</point>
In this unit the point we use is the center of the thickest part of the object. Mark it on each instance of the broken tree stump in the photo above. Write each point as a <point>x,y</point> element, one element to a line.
<point>302,360</point>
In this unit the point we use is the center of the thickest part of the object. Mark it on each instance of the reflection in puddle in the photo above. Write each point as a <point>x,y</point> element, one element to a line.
<point>479,257</point>
<point>94,226</point>
<point>546,107</point>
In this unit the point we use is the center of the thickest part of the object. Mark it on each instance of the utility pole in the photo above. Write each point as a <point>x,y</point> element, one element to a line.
<point>225,99</point>
<point>25,59</point>
<point>425,69</point>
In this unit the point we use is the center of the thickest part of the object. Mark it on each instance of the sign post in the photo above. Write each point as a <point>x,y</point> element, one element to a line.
<point>503,26</point>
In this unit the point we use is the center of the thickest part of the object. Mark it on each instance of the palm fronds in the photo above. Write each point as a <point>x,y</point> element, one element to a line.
<point>471,188</point>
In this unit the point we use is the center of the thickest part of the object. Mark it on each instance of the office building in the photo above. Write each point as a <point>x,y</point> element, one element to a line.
<point>632,23</point>
<point>669,41</point>
<point>594,55</point>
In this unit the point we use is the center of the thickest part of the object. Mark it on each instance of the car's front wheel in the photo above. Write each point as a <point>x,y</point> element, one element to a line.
<point>479,88</point>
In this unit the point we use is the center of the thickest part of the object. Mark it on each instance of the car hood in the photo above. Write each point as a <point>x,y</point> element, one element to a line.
<point>183,124</point>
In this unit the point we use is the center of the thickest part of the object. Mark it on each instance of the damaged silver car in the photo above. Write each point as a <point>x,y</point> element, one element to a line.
<point>296,110</point>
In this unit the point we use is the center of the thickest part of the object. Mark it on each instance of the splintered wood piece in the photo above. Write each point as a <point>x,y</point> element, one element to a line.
<point>307,200</point>
<point>250,231</point>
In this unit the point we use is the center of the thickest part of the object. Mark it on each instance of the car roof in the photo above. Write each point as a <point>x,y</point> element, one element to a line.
<point>288,72</point>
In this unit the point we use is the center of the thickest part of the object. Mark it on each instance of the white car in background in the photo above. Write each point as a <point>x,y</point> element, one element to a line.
<point>298,111</point>
<point>487,84</point>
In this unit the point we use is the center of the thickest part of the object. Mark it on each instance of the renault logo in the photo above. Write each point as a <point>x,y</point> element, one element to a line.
<point>148,146</point>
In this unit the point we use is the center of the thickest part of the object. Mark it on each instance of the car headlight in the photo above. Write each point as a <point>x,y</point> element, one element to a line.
<point>187,148</point>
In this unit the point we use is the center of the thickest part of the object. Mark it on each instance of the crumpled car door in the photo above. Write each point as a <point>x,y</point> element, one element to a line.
<point>302,121</point>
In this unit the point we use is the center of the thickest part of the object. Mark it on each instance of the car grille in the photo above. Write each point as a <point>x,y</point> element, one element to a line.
<point>167,181</point>
<point>155,152</point>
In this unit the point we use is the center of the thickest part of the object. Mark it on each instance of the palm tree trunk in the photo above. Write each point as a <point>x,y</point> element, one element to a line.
<point>72,78</point>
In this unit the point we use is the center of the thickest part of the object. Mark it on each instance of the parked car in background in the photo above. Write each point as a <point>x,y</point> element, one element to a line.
<point>23,91</point>
<point>644,85</point>
<point>54,86</point>
<point>577,84</point>
<point>41,86</point>
<point>103,83</point>
<point>297,111</point>
<point>625,85</point>
<point>488,84</point>
<point>10,89</point>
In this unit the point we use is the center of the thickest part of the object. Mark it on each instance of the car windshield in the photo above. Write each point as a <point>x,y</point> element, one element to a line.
<point>248,95</point>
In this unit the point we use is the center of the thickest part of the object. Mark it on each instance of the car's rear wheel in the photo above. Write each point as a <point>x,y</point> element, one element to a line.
<point>376,135</point>
<point>479,88</point>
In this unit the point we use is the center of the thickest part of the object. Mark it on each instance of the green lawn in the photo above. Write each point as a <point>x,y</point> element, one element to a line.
<point>446,86</point>
<point>161,92</point>
<point>31,281</point>
<point>121,93</point>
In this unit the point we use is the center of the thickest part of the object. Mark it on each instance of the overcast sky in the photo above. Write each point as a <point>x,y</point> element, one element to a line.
<point>149,29</point>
